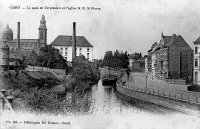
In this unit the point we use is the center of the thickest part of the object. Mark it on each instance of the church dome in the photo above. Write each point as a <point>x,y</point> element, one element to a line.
<point>7,33</point>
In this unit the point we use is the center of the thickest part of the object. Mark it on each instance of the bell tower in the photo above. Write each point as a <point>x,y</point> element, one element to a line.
<point>42,32</point>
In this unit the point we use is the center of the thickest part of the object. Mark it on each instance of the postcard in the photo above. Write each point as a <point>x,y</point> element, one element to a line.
<point>99,64</point>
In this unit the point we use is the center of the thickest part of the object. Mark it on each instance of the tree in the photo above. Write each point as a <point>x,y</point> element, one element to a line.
<point>82,69</point>
<point>51,57</point>
<point>116,60</point>
<point>107,59</point>
<point>32,58</point>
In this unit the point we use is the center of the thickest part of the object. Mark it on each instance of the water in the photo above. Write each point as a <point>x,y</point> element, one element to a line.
<point>106,100</point>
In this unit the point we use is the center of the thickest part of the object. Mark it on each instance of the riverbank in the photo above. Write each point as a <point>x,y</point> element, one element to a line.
<point>183,101</point>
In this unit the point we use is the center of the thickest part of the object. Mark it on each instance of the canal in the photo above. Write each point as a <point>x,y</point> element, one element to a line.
<point>106,100</point>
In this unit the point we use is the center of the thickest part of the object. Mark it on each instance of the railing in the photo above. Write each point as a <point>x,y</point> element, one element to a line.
<point>6,102</point>
<point>194,99</point>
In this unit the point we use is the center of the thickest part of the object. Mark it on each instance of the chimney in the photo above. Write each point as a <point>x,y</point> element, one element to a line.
<point>74,41</point>
<point>18,35</point>
<point>173,37</point>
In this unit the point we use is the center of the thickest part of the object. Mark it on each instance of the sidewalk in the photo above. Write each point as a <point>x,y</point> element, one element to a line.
<point>139,80</point>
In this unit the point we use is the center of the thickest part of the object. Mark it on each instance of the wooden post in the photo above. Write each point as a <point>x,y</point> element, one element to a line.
<point>3,92</point>
<point>2,103</point>
<point>10,100</point>
<point>181,96</point>
<point>175,95</point>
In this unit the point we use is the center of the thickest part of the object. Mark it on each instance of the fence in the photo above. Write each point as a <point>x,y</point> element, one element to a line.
<point>6,102</point>
<point>185,97</point>
<point>176,81</point>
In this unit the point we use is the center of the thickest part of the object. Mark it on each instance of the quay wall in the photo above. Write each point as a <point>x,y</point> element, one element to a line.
<point>151,96</point>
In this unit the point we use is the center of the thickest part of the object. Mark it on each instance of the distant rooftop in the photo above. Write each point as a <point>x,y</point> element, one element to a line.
<point>63,40</point>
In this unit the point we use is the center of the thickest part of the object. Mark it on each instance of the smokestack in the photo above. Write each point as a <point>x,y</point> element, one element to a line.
<point>18,35</point>
<point>74,41</point>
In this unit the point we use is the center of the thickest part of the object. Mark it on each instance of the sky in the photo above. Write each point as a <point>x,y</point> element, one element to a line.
<point>125,25</point>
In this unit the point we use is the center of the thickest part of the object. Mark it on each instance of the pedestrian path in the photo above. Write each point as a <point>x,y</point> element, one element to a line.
<point>140,81</point>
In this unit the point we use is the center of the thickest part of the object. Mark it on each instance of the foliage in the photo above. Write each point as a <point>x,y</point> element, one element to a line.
<point>82,69</point>
<point>32,58</point>
<point>116,59</point>
<point>135,56</point>
<point>48,57</point>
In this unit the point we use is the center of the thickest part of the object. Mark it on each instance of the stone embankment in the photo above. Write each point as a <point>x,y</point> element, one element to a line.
<point>174,98</point>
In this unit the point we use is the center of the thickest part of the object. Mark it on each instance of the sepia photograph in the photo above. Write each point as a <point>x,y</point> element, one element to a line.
<point>99,64</point>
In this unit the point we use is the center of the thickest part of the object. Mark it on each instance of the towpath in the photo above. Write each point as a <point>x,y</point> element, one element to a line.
<point>139,80</point>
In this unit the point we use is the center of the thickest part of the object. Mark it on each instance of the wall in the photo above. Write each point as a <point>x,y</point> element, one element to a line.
<point>69,52</point>
<point>159,100</point>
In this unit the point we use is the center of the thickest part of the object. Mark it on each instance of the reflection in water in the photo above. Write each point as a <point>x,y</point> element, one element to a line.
<point>106,100</point>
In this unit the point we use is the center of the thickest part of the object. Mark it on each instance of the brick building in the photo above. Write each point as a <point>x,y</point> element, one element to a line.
<point>196,68</point>
<point>172,58</point>
<point>22,47</point>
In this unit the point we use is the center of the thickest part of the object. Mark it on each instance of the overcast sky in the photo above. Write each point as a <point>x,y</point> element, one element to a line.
<point>127,25</point>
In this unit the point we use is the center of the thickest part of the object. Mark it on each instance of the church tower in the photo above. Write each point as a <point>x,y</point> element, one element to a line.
<point>42,32</point>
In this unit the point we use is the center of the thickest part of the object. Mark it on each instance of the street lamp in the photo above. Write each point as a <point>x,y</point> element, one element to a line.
<point>146,80</point>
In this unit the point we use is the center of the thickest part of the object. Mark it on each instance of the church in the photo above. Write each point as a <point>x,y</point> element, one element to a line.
<point>20,47</point>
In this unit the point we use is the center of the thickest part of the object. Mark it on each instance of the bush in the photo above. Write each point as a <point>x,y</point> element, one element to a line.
<point>194,87</point>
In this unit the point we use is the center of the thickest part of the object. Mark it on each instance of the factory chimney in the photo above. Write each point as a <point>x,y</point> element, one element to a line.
<point>18,36</point>
<point>74,41</point>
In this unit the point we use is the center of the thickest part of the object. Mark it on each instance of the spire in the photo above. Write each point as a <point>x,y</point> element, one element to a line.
<point>161,34</point>
<point>42,22</point>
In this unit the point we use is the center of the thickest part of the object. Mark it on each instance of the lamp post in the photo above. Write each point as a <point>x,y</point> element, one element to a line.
<point>146,80</point>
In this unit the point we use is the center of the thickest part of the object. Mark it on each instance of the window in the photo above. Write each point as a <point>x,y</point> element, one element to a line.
<point>61,53</point>
<point>80,49</point>
<point>41,35</point>
<point>65,53</point>
<point>196,62</point>
<point>196,50</point>
<point>65,58</point>
<point>26,44</point>
<point>79,53</point>
<point>66,49</point>
<point>88,56</point>
<point>61,48</point>
<point>88,49</point>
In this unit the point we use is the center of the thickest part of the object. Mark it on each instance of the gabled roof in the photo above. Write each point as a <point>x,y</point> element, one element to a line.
<point>167,40</point>
<point>63,40</point>
<point>197,41</point>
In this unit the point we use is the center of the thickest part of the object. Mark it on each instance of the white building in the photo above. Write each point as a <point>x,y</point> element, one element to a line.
<point>196,68</point>
<point>64,45</point>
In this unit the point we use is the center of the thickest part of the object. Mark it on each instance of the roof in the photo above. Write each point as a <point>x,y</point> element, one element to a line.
<point>63,40</point>
<point>197,41</point>
<point>25,40</point>
<point>167,40</point>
